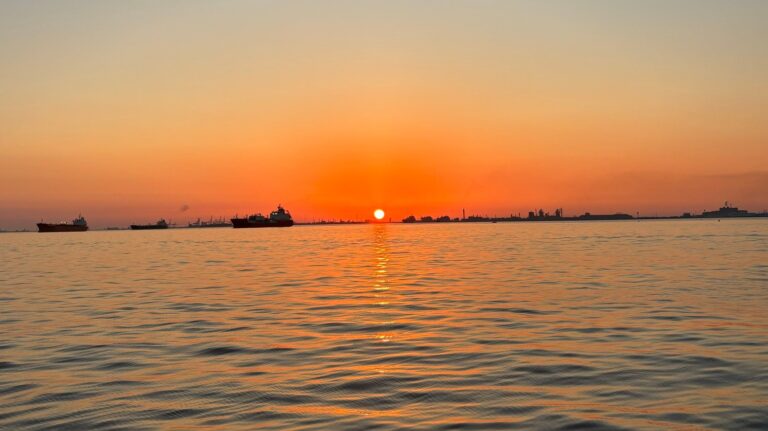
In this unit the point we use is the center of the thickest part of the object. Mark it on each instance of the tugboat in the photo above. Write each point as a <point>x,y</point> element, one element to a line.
<point>78,225</point>
<point>277,218</point>
<point>161,224</point>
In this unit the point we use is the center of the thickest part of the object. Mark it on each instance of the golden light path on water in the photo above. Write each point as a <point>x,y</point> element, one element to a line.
<point>598,325</point>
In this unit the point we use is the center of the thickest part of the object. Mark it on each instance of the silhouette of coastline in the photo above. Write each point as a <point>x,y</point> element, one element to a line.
<point>726,211</point>
<point>334,222</point>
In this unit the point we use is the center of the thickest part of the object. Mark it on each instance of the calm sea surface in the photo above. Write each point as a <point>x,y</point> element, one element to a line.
<point>591,325</point>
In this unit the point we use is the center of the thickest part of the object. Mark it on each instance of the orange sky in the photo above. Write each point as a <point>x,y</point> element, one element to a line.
<point>128,111</point>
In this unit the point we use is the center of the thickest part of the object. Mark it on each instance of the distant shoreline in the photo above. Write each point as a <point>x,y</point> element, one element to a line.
<point>725,212</point>
<point>598,217</point>
<point>452,222</point>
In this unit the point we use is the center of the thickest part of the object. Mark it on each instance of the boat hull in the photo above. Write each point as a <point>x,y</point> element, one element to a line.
<point>240,223</point>
<point>60,227</point>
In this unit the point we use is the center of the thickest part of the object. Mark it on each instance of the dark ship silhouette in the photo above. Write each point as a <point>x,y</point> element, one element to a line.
<point>278,218</point>
<point>727,211</point>
<point>220,222</point>
<point>78,225</point>
<point>161,224</point>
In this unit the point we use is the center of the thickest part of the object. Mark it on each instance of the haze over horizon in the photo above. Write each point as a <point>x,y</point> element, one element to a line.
<point>127,111</point>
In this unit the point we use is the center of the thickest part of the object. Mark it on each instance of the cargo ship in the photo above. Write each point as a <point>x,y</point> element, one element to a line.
<point>210,223</point>
<point>161,224</point>
<point>727,211</point>
<point>277,218</point>
<point>78,225</point>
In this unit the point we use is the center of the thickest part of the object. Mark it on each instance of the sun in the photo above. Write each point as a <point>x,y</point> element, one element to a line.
<point>379,214</point>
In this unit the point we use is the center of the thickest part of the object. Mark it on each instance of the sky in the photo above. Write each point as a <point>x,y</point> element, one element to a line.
<point>131,111</point>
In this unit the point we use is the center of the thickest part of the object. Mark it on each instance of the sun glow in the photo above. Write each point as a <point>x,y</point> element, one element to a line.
<point>379,214</point>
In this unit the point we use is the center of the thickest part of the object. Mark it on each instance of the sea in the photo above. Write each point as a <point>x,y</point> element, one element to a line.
<point>461,326</point>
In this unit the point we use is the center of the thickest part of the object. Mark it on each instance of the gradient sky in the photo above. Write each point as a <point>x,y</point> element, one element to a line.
<point>127,111</point>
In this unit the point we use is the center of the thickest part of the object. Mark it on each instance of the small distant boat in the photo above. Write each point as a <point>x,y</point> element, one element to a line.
<point>78,225</point>
<point>161,224</point>
<point>220,222</point>
<point>277,218</point>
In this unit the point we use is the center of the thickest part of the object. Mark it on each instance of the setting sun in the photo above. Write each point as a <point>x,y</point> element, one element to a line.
<point>379,214</point>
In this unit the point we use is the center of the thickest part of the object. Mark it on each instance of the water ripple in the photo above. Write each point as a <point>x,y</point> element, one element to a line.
<point>562,326</point>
